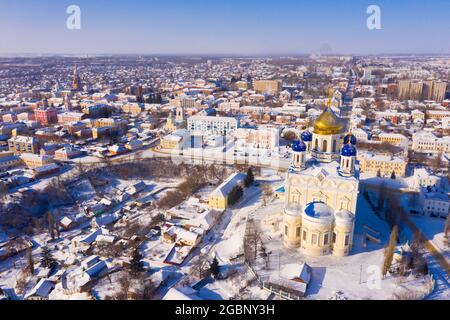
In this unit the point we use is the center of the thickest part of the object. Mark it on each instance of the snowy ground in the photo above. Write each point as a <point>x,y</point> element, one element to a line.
<point>354,275</point>
<point>225,242</point>
<point>433,229</point>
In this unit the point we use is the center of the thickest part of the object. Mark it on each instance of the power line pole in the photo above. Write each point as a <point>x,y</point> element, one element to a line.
<point>360,274</point>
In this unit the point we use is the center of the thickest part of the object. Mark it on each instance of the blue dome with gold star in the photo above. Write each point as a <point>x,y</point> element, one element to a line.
<point>348,150</point>
<point>350,138</point>
<point>306,136</point>
<point>298,146</point>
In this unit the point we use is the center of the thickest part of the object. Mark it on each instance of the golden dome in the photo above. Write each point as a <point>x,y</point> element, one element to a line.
<point>328,123</point>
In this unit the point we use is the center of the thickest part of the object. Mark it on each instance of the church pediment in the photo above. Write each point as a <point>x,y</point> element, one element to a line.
<point>328,184</point>
<point>320,197</point>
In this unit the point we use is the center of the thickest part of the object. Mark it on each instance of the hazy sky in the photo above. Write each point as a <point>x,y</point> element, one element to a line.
<point>228,27</point>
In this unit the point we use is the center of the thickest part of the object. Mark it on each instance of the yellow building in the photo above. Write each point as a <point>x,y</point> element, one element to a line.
<point>372,163</point>
<point>437,114</point>
<point>218,199</point>
<point>109,122</point>
<point>415,92</point>
<point>175,140</point>
<point>133,108</point>
<point>241,85</point>
<point>403,89</point>
<point>34,160</point>
<point>393,138</point>
<point>23,144</point>
<point>272,87</point>
<point>170,125</point>
<point>417,114</point>
<point>8,160</point>
<point>439,91</point>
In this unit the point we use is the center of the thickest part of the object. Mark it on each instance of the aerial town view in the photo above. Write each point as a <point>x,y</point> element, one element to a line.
<point>231,158</point>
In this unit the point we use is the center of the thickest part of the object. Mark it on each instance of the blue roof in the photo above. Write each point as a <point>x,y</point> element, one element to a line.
<point>210,112</point>
<point>306,136</point>
<point>348,150</point>
<point>350,138</point>
<point>317,209</point>
<point>298,146</point>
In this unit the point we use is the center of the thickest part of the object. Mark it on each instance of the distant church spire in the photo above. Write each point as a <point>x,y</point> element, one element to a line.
<point>76,84</point>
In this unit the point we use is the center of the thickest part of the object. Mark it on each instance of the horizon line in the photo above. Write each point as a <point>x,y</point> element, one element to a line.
<point>225,54</point>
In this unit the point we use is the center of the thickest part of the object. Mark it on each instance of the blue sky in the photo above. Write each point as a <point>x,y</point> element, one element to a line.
<point>224,27</point>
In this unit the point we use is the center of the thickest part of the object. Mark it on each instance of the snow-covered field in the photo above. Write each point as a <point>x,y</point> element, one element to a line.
<point>433,229</point>
<point>355,276</point>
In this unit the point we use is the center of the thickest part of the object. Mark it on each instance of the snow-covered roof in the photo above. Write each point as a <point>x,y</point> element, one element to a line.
<point>184,293</point>
<point>293,209</point>
<point>319,211</point>
<point>41,289</point>
<point>296,272</point>
<point>344,216</point>
<point>226,186</point>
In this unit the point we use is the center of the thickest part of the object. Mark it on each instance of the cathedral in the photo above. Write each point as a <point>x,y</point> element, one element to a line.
<point>321,190</point>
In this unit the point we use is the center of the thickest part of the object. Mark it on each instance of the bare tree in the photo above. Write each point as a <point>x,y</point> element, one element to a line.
<point>56,222</point>
<point>198,266</point>
<point>124,288</point>
<point>50,224</point>
<point>267,193</point>
<point>389,252</point>
<point>30,260</point>
<point>146,291</point>
<point>22,281</point>
<point>252,240</point>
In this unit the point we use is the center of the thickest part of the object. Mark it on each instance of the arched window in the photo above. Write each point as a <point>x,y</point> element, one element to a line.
<point>325,239</point>
<point>295,198</point>
<point>347,240</point>
<point>334,146</point>
<point>316,144</point>
<point>324,145</point>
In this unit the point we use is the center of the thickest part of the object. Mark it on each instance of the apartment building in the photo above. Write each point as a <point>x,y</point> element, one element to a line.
<point>393,138</point>
<point>23,144</point>
<point>211,125</point>
<point>427,142</point>
<point>373,163</point>
<point>272,87</point>
<point>261,138</point>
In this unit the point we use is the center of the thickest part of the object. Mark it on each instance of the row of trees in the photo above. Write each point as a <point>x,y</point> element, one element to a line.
<point>195,178</point>
<point>47,260</point>
<point>393,176</point>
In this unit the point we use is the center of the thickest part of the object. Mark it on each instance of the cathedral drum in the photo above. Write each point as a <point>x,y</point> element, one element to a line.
<point>292,223</point>
<point>317,229</point>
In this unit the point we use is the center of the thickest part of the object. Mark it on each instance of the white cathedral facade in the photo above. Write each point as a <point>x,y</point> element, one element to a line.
<point>321,190</point>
